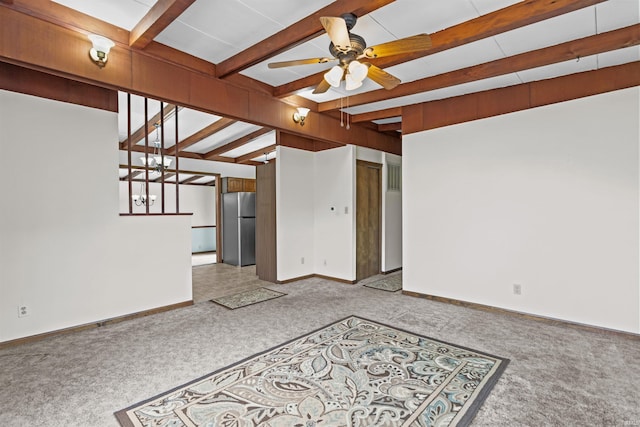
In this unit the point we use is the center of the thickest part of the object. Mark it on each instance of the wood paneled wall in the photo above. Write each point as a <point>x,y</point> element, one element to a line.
<point>31,82</point>
<point>266,241</point>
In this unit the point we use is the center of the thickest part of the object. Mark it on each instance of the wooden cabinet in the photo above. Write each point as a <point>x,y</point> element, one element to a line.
<point>236,185</point>
<point>249,185</point>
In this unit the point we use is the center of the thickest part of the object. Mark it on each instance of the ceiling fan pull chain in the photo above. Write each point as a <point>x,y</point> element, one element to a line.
<point>347,114</point>
<point>341,114</point>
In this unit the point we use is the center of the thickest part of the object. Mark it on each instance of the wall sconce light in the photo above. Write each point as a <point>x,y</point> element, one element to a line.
<point>300,115</point>
<point>100,50</point>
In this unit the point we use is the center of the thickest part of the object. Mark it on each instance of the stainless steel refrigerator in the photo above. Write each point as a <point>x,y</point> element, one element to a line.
<point>239,228</point>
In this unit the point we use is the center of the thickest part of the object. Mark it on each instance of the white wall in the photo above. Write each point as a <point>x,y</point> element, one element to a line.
<point>294,212</point>
<point>391,219</point>
<point>64,250</point>
<point>315,202</point>
<point>334,202</point>
<point>546,198</point>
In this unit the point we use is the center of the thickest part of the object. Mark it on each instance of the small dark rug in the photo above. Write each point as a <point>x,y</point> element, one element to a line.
<point>244,299</point>
<point>389,284</point>
<point>354,372</point>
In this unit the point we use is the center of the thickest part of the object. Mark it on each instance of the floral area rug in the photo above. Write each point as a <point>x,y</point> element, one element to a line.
<point>244,299</point>
<point>390,284</point>
<point>355,372</point>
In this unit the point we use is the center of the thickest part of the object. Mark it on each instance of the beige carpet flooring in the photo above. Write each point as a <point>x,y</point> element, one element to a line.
<point>219,280</point>
<point>558,375</point>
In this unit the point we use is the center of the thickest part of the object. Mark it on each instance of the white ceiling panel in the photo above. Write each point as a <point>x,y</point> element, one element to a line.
<point>122,13</point>
<point>570,26</point>
<point>404,18</point>
<point>194,42</point>
<point>228,21</point>
<point>192,121</point>
<point>228,134</point>
<point>478,52</point>
<point>286,12</point>
<point>204,180</point>
<point>559,69</point>
<point>279,76</point>
<point>614,14</point>
<point>262,141</point>
<point>620,56</point>
<point>316,48</point>
<point>137,113</point>
<point>373,31</point>
<point>487,6</point>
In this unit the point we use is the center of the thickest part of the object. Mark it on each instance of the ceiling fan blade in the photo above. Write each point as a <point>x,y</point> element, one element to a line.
<point>381,77</point>
<point>300,62</point>
<point>399,47</point>
<point>322,87</point>
<point>337,30</point>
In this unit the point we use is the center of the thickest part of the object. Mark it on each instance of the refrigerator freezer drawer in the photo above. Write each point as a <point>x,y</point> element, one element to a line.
<point>247,241</point>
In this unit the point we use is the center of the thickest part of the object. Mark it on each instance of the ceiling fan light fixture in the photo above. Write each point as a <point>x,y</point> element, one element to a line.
<point>358,71</point>
<point>334,76</point>
<point>351,83</point>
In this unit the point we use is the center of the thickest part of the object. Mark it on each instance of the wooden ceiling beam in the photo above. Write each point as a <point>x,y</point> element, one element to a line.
<point>42,43</point>
<point>575,49</point>
<point>159,17</point>
<point>377,115</point>
<point>300,32</point>
<point>150,126</point>
<point>191,179</point>
<point>206,132</point>
<point>236,143</point>
<point>140,149</point>
<point>247,157</point>
<point>490,103</point>
<point>167,175</point>
<point>386,127</point>
<point>509,18</point>
<point>132,175</point>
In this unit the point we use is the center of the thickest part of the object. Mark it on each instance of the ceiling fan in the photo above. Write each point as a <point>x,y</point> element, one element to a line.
<point>349,49</point>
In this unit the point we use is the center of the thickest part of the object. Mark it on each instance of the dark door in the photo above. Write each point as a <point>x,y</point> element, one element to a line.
<point>368,219</point>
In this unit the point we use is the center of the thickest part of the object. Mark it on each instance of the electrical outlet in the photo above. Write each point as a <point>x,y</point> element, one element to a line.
<point>23,311</point>
<point>302,260</point>
<point>517,289</point>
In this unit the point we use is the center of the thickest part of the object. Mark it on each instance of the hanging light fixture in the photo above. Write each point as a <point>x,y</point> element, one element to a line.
<point>334,75</point>
<point>353,75</point>
<point>351,83</point>
<point>141,199</point>
<point>358,70</point>
<point>356,73</point>
<point>158,162</point>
